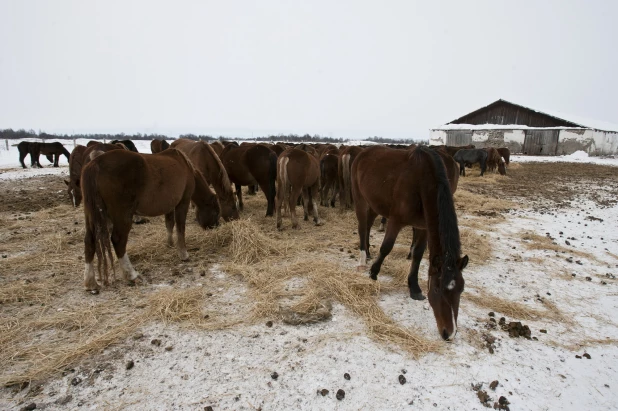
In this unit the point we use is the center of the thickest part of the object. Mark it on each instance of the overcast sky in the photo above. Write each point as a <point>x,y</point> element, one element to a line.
<point>340,68</point>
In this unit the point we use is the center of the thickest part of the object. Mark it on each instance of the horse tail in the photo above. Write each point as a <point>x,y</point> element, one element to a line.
<point>448,229</point>
<point>96,220</point>
<point>285,181</point>
<point>66,153</point>
<point>272,176</point>
<point>347,181</point>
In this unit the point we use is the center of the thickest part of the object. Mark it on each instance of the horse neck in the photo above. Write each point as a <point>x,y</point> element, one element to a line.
<point>218,177</point>
<point>203,195</point>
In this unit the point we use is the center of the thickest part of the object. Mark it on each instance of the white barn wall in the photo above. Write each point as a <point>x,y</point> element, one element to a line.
<point>437,137</point>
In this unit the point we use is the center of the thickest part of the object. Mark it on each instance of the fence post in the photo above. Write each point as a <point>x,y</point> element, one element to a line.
<point>74,142</point>
<point>7,144</point>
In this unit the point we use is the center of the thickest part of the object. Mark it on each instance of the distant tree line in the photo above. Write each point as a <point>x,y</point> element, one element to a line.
<point>22,134</point>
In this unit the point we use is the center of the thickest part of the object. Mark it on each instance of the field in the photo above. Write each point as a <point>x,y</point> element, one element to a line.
<point>263,319</point>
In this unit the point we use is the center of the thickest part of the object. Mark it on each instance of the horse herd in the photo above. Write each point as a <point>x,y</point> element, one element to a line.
<point>406,185</point>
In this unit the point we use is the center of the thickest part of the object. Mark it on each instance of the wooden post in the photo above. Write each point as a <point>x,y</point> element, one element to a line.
<point>7,144</point>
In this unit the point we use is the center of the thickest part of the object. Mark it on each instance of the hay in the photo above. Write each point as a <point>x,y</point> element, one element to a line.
<point>533,241</point>
<point>511,309</point>
<point>468,202</point>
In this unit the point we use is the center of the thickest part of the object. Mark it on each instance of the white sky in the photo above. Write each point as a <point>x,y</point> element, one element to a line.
<point>342,68</point>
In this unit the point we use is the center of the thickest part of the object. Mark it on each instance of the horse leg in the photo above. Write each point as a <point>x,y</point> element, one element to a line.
<point>278,203</point>
<point>90,281</point>
<point>120,235</point>
<point>56,158</point>
<point>392,230</point>
<point>22,157</point>
<point>169,225</point>
<point>419,244</point>
<point>314,194</point>
<point>483,167</point>
<point>371,217</point>
<point>334,196</point>
<point>180,215</point>
<point>306,203</point>
<point>293,199</point>
<point>239,196</point>
<point>462,169</point>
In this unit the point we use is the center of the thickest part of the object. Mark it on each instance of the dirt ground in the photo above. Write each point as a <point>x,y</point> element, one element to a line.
<point>59,343</point>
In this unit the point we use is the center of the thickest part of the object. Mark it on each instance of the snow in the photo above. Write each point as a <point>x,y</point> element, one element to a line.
<point>498,127</point>
<point>576,157</point>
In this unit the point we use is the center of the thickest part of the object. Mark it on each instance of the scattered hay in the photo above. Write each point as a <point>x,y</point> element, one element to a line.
<point>509,308</point>
<point>469,202</point>
<point>533,241</point>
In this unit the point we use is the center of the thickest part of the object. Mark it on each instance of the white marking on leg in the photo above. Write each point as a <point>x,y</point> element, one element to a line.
<point>127,268</point>
<point>451,285</point>
<point>73,197</point>
<point>362,261</point>
<point>89,280</point>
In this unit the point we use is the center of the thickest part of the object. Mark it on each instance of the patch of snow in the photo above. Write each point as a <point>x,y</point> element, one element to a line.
<point>577,157</point>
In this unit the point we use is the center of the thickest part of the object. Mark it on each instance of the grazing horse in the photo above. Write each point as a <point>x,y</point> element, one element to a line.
<point>51,150</point>
<point>344,164</point>
<point>127,143</point>
<point>251,164</point>
<point>329,177</point>
<point>298,172</point>
<point>157,145</point>
<point>208,163</point>
<point>495,161</point>
<point>78,160</point>
<point>505,153</point>
<point>411,187</point>
<point>118,184</point>
<point>469,157</point>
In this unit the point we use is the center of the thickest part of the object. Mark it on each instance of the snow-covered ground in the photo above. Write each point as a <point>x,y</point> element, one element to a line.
<point>576,157</point>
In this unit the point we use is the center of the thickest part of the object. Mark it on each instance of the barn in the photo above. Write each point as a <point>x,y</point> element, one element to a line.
<point>529,131</point>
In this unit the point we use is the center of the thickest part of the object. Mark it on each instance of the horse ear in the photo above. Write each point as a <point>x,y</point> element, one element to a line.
<point>66,182</point>
<point>463,262</point>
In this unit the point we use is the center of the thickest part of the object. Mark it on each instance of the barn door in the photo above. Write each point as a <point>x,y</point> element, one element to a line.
<point>458,138</point>
<point>541,142</point>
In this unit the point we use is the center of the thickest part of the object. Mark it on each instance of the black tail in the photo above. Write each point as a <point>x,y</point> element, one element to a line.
<point>66,153</point>
<point>447,217</point>
<point>272,179</point>
<point>96,219</point>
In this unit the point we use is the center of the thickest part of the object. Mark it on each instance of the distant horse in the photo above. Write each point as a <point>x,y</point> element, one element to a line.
<point>346,157</point>
<point>157,145</point>
<point>127,143</point>
<point>206,161</point>
<point>495,161</point>
<point>77,161</point>
<point>51,150</point>
<point>469,157</point>
<point>411,187</point>
<point>329,178</point>
<point>505,153</point>
<point>116,185</point>
<point>92,143</point>
<point>298,172</point>
<point>248,165</point>
<point>452,150</point>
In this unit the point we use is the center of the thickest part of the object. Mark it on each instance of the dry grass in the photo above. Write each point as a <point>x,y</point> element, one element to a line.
<point>533,241</point>
<point>466,201</point>
<point>511,309</point>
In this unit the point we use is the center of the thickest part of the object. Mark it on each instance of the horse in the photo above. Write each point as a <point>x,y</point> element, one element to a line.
<point>24,149</point>
<point>127,143</point>
<point>77,161</point>
<point>298,172</point>
<point>495,161</point>
<point>208,163</point>
<point>118,184</point>
<point>329,177</point>
<point>411,187</point>
<point>217,146</point>
<point>469,157</point>
<point>344,163</point>
<point>92,143</point>
<point>51,150</point>
<point>505,153</point>
<point>156,145</point>
<point>248,165</point>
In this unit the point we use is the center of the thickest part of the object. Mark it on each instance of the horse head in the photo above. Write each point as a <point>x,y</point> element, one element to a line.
<point>446,283</point>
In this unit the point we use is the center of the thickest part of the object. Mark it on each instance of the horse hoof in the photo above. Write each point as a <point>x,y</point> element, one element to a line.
<point>373,276</point>
<point>417,296</point>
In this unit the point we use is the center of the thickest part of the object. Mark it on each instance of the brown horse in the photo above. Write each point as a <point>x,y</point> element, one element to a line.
<point>346,157</point>
<point>92,143</point>
<point>251,164</point>
<point>505,153</point>
<point>494,160</point>
<point>298,172</point>
<point>411,187</point>
<point>209,164</point>
<point>217,146</point>
<point>77,161</point>
<point>452,150</point>
<point>329,177</point>
<point>157,145</point>
<point>116,185</point>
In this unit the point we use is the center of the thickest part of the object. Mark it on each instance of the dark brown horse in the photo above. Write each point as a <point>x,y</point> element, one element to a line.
<point>217,146</point>
<point>157,145</point>
<point>52,151</point>
<point>329,177</point>
<point>77,161</point>
<point>505,153</point>
<point>251,164</point>
<point>127,143</point>
<point>298,172</point>
<point>452,150</point>
<point>411,188</point>
<point>346,157</point>
<point>118,184</point>
<point>209,164</point>
<point>494,160</point>
<point>92,143</point>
